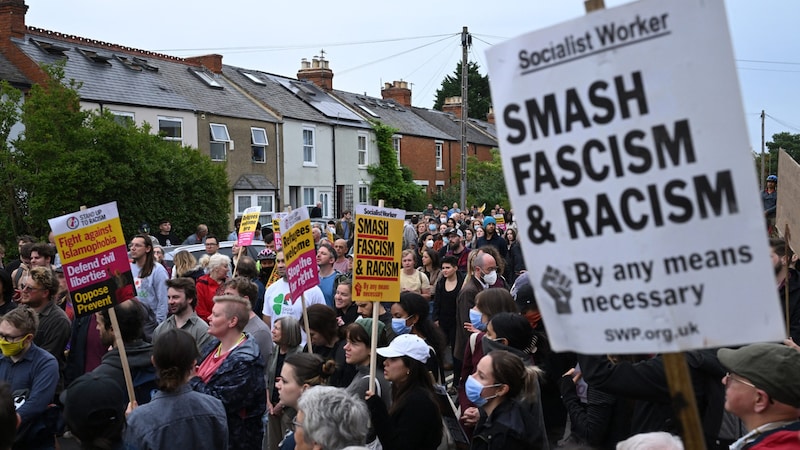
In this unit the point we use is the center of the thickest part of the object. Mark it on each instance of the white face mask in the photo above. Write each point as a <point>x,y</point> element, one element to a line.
<point>429,244</point>
<point>490,278</point>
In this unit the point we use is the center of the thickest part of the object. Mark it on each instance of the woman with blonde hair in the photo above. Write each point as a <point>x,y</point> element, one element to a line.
<point>412,280</point>
<point>186,266</point>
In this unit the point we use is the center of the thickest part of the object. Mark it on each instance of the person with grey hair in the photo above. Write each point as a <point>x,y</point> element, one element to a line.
<point>286,336</point>
<point>660,440</point>
<point>329,418</point>
<point>210,284</point>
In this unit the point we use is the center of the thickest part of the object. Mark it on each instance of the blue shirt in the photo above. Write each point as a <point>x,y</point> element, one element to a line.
<point>33,380</point>
<point>181,419</point>
<point>328,287</point>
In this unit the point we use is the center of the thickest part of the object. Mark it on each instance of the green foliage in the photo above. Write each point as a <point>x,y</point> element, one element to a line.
<point>10,215</point>
<point>785,140</point>
<point>392,183</point>
<point>67,158</point>
<point>479,98</point>
<point>485,183</point>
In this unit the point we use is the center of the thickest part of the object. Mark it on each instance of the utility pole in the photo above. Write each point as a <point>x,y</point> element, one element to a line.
<point>466,41</point>
<point>763,159</point>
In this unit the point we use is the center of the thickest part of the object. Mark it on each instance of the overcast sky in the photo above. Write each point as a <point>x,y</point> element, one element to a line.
<point>421,39</point>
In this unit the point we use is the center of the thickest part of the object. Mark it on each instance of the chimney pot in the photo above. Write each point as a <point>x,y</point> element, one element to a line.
<point>317,71</point>
<point>397,91</point>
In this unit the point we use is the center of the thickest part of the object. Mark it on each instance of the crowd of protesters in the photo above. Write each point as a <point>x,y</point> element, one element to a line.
<point>219,356</point>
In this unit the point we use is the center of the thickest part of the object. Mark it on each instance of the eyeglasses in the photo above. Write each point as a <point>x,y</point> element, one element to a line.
<point>296,424</point>
<point>8,338</point>
<point>730,376</point>
<point>26,288</point>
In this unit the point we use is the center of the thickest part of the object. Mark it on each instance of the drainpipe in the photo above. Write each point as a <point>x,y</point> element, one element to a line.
<point>333,143</point>
<point>278,203</point>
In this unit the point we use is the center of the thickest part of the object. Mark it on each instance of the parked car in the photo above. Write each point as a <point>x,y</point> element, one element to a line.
<point>198,250</point>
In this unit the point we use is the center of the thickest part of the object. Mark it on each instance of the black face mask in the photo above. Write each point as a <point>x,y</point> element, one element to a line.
<point>491,344</point>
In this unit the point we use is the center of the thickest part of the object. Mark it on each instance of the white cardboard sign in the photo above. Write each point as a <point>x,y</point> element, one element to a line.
<point>626,160</point>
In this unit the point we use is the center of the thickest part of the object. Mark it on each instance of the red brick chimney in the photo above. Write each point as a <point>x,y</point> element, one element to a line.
<point>211,62</point>
<point>12,18</point>
<point>12,25</point>
<point>490,116</point>
<point>452,105</point>
<point>397,91</point>
<point>317,72</point>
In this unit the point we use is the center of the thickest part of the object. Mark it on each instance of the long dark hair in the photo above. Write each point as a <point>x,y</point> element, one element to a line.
<point>416,305</point>
<point>149,261</point>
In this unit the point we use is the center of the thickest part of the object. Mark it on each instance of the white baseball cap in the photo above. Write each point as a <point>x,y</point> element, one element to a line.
<point>409,345</point>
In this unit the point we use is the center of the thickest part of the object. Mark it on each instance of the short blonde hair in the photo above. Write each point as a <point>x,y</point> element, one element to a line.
<point>235,306</point>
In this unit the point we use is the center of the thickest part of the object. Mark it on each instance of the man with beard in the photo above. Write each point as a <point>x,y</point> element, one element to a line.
<point>130,316</point>
<point>150,279</point>
<point>456,248</point>
<point>38,290</point>
<point>787,279</point>
<point>491,237</point>
<point>181,300</point>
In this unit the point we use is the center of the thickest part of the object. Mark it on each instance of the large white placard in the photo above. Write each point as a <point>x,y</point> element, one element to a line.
<point>626,159</point>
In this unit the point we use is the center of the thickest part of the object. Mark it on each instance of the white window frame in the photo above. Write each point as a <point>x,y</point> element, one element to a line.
<point>123,115</point>
<point>219,135</point>
<point>312,161</point>
<point>253,196</point>
<point>309,193</point>
<point>439,154</point>
<point>363,194</point>
<point>178,139</point>
<point>396,146</point>
<point>439,186</point>
<point>363,149</point>
<point>256,143</point>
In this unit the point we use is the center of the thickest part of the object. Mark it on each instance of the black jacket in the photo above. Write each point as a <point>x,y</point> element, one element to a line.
<point>416,424</point>
<point>508,428</point>
<point>794,303</point>
<point>646,382</point>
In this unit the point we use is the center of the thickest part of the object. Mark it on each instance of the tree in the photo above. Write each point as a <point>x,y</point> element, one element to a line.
<point>485,183</point>
<point>479,98</point>
<point>68,157</point>
<point>785,140</point>
<point>392,183</point>
<point>10,215</point>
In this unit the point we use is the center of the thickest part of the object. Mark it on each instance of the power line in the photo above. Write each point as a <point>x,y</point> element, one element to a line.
<point>768,62</point>
<point>768,70</point>
<point>785,124</point>
<point>397,54</point>
<point>298,46</point>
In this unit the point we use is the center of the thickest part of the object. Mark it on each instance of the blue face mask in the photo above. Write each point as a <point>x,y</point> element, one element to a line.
<point>474,389</point>
<point>475,320</point>
<point>445,241</point>
<point>432,227</point>
<point>399,325</point>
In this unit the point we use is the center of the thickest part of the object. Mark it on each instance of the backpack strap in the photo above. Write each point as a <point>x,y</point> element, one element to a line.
<point>473,340</point>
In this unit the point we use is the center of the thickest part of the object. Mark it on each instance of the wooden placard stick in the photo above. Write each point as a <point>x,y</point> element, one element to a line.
<point>684,402</point>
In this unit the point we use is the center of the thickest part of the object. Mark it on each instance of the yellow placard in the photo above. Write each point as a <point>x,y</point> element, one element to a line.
<point>378,248</point>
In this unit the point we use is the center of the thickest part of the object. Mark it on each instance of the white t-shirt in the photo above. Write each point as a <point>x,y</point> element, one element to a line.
<point>278,302</point>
